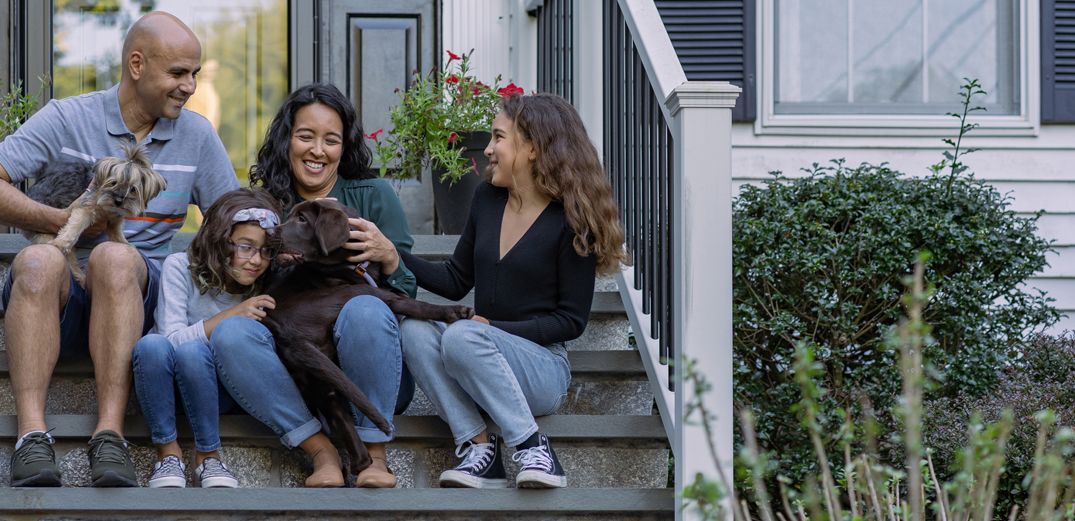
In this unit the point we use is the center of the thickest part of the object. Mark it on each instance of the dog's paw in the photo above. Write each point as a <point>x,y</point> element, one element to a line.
<point>63,246</point>
<point>460,313</point>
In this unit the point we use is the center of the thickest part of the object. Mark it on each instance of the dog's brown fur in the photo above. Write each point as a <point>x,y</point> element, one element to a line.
<point>309,297</point>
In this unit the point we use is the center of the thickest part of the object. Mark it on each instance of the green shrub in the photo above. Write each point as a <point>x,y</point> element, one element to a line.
<point>1039,380</point>
<point>820,259</point>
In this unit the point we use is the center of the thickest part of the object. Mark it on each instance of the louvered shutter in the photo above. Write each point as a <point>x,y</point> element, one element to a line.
<point>1058,61</point>
<point>714,40</point>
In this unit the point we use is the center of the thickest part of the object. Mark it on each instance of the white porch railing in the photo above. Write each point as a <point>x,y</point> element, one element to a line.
<point>698,251</point>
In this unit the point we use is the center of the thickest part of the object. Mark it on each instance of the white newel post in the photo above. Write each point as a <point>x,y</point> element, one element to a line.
<point>701,120</point>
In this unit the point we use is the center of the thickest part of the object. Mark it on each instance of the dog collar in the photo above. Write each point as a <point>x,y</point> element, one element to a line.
<point>361,270</point>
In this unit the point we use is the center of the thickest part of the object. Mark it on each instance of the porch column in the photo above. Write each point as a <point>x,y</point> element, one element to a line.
<point>701,117</point>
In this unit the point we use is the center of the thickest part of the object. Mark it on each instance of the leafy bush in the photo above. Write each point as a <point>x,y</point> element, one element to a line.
<point>820,258</point>
<point>1039,380</point>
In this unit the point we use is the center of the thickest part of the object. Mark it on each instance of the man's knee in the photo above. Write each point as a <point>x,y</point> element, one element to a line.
<point>366,309</point>
<point>39,270</point>
<point>116,266</point>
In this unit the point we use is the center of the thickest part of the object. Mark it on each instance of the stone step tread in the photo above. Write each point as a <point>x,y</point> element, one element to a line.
<point>586,428</point>
<point>588,363</point>
<point>428,246</point>
<point>360,502</point>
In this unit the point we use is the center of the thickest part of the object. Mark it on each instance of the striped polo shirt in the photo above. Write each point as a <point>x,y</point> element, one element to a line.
<point>186,151</point>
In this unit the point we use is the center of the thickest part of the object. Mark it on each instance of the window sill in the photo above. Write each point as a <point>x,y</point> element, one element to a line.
<point>893,126</point>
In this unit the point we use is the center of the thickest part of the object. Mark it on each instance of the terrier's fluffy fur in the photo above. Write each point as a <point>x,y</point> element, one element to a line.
<point>120,187</point>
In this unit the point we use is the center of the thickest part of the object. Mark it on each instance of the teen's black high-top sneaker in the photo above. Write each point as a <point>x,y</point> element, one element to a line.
<point>481,466</point>
<point>538,466</point>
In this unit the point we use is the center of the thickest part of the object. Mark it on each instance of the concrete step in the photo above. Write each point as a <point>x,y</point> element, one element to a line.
<point>603,382</point>
<point>596,451</point>
<point>418,505</point>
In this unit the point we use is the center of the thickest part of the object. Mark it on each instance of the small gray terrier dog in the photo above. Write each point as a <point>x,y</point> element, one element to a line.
<point>112,188</point>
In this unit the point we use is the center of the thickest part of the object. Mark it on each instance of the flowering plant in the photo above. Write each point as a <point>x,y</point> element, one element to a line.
<point>432,114</point>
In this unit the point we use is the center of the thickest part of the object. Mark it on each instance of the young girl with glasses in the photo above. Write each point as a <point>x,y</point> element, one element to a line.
<point>218,277</point>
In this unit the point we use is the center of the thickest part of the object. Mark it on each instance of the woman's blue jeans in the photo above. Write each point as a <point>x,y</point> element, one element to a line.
<point>469,365</point>
<point>367,343</point>
<point>160,370</point>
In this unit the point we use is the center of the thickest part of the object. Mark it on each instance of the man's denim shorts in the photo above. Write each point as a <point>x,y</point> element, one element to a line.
<point>75,317</point>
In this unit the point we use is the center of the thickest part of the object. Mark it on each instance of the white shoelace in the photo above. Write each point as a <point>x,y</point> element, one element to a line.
<point>534,457</point>
<point>475,456</point>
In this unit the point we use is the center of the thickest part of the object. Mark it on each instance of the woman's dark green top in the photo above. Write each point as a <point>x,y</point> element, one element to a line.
<point>376,201</point>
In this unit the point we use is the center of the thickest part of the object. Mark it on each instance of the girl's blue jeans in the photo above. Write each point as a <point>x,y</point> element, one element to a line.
<point>467,367</point>
<point>160,371</point>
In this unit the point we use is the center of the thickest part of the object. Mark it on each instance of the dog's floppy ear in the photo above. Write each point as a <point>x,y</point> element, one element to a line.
<point>331,229</point>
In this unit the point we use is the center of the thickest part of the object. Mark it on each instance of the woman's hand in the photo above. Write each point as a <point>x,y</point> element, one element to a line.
<point>373,245</point>
<point>253,307</point>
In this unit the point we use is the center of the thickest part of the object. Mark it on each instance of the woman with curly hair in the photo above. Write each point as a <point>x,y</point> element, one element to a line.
<point>314,148</point>
<point>539,230</point>
<point>219,277</point>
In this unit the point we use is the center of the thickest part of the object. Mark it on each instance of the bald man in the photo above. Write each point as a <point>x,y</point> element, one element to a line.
<point>47,312</point>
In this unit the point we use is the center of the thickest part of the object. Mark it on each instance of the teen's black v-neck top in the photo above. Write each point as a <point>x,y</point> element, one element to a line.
<point>541,290</point>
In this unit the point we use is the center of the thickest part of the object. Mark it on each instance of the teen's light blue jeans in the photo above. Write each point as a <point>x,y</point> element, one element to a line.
<point>160,369</point>
<point>367,342</point>
<point>469,365</point>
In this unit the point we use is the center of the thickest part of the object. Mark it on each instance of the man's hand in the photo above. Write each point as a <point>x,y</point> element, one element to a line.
<point>479,318</point>
<point>373,245</point>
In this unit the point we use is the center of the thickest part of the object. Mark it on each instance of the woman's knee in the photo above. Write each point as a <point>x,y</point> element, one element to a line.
<point>366,309</point>
<point>464,340</point>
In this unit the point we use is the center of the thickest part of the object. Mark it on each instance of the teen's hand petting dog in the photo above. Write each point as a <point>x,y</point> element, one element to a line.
<point>371,245</point>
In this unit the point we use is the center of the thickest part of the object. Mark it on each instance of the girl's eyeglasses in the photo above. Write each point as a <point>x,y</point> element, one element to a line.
<point>246,251</point>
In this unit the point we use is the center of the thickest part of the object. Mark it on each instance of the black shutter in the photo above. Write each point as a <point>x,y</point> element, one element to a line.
<point>1058,61</point>
<point>714,40</point>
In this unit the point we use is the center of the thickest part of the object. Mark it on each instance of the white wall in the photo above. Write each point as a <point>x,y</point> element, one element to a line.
<point>1038,172</point>
<point>503,36</point>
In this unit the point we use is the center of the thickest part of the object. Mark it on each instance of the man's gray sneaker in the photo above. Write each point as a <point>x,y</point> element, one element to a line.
<point>213,473</point>
<point>110,461</point>
<point>168,473</point>
<point>33,464</point>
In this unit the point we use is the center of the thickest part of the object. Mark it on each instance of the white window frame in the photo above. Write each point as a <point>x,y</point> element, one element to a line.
<point>1026,123</point>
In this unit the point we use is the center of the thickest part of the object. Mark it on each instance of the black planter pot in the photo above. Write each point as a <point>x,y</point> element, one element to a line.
<point>451,201</point>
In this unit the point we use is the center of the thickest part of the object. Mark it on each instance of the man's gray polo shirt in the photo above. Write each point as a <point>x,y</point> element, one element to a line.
<point>185,150</point>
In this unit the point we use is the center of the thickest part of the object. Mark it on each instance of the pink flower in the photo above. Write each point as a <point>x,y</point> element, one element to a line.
<point>452,137</point>
<point>374,135</point>
<point>511,90</point>
<point>452,56</point>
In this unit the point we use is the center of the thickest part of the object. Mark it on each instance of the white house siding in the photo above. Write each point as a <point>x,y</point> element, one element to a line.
<point>1038,172</point>
<point>503,36</point>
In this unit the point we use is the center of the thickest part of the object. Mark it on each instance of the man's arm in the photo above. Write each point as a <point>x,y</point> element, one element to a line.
<point>22,212</point>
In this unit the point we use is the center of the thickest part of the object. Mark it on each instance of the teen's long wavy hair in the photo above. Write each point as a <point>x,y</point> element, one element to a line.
<point>567,170</point>
<point>209,253</point>
<point>273,168</point>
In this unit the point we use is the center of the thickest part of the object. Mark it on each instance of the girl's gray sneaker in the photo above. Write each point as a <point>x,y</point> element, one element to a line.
<point>168,473</point>
<point>212,473</point>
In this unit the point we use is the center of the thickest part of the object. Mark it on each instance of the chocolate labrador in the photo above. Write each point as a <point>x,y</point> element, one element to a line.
<point>310,288</point>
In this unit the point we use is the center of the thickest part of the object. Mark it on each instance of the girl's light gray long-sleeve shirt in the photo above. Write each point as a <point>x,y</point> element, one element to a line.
<point>181,309</point>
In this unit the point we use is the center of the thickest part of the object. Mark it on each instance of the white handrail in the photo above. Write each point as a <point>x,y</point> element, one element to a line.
<point>659,57</point>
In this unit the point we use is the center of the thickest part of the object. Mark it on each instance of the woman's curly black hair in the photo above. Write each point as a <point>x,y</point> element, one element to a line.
<point>273,168</point>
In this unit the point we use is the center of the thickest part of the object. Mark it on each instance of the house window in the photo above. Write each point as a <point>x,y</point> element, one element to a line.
<point>893,62</point>
<point>244,76</point>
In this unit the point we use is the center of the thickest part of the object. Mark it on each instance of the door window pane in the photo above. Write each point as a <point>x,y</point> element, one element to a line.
<point>894,56</point>
<point>244,77</point>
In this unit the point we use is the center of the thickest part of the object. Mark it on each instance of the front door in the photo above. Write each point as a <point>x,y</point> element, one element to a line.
<point>371,48</point>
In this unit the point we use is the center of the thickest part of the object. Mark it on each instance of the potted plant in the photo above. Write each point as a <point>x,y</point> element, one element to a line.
<point>442,121</point>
